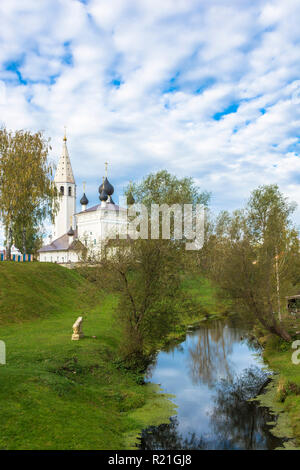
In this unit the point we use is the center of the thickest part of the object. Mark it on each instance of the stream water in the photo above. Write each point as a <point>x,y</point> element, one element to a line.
<point>212,375</point>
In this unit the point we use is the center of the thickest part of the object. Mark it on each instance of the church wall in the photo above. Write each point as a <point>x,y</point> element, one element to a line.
<point>59,257</point>
<point>94,227</point>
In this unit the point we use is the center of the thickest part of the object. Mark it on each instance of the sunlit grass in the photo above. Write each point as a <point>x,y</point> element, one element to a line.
<point>61,394</point>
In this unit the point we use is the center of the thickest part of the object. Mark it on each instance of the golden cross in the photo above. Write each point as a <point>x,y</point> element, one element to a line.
<point>106,163</point>
<point>65,135</point>
<point>84,183</point>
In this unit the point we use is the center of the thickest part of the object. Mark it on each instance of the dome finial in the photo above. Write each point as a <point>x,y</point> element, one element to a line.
<point>103,195</point>
<point>65,134</point>
<point>106,164</point>
<point>84,200</point>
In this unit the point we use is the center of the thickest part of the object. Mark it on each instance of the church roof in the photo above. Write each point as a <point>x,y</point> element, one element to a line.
<point>62,244</point>
<point>64,172</point>
<point>109,206</point>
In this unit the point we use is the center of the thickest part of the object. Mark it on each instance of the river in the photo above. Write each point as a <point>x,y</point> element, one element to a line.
<point>212,375</point>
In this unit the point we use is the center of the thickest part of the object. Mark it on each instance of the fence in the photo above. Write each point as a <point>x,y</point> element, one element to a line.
<point>17,258</point>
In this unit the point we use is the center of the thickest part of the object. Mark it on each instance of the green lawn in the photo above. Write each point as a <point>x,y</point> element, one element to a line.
<point>61,394</point>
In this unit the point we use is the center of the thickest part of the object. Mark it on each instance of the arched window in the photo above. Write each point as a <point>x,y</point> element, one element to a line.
<point>70,191</point>
<point>62,190</point>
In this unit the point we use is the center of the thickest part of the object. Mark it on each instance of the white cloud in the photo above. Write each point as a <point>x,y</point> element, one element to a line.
<point>138,83</point>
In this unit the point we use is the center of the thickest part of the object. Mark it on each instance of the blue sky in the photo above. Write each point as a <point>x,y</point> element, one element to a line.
<point>203,88</point>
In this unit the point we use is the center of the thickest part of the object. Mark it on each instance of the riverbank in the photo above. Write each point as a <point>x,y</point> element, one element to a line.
<point>60,394</point>
<point>209,307</point>
<point>282,395</point>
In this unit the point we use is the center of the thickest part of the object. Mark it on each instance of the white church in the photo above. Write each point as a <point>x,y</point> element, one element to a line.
<point>88,230</point>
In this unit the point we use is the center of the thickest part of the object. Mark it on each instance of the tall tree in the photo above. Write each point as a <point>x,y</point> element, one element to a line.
<point>146,275</point>
<point>165,188</point>
<point>27,193</point>
<point>252,255</point>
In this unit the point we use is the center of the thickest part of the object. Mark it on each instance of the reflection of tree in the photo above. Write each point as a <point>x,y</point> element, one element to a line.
<point>237,422</point>
<point>166,437</point>
<point>209,358</point>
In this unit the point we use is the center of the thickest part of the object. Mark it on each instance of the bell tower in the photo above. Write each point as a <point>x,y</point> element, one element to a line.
<point>66,188</point>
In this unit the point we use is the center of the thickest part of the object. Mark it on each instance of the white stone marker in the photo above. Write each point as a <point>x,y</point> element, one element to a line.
<point>77,329</point>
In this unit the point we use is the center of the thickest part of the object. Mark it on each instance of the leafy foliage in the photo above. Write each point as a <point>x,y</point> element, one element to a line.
<point>254,255</point>
<point>27,191</point>
<point>164,188</point>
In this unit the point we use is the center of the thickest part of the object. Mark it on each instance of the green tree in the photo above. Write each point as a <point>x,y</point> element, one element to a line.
<point>146,275</point>
<point>252,255</point>
<point>164,188</point>
<point>27,192</point>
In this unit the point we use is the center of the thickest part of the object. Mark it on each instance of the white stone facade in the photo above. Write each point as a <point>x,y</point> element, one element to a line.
<point>60,257</point>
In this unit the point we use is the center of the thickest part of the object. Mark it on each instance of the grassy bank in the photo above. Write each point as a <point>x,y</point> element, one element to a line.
<point>209,305</point>
<point>61,394</point>
<point>283,393</point>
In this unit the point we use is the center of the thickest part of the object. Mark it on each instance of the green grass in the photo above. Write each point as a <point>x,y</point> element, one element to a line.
<point>206,296</point>
<point>208,304</point>
<point>286,397</point>
<point>32,290</point>
<point>61,394</point>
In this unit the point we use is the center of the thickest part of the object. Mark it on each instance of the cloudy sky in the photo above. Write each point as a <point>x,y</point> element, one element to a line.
<point>203,88</point>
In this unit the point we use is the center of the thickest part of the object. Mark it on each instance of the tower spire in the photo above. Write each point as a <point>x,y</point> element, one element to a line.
<point>64,172</point>
<point>66,188</point>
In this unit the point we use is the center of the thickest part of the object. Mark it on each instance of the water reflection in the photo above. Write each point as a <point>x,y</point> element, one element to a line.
<point>210,356</point>
<point>213,374</point>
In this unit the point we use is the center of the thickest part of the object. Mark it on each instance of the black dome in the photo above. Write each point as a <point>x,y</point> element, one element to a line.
<point>103,195</point>
<point>71,232</point>
<point>84,200</point>
<point>108,188</point>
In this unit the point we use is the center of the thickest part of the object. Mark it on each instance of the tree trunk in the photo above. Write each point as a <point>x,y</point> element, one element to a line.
<point>282,333</point>
<point>8,246</point>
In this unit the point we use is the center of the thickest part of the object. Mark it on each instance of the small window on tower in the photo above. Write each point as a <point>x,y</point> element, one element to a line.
<point>70,191</point>
<point>62,190</point>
